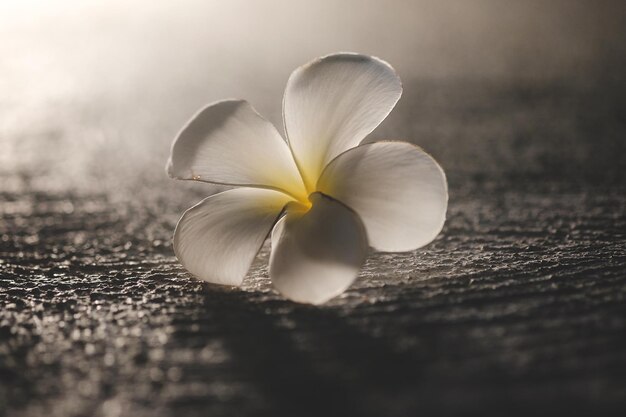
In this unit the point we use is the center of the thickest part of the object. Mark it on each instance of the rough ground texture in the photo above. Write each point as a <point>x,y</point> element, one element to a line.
<point>518,307</point>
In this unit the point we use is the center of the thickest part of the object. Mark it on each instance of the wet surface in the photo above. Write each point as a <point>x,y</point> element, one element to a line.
<point>517,307</point>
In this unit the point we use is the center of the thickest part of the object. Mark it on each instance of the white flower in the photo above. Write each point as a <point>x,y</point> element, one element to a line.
<point>324,197</point>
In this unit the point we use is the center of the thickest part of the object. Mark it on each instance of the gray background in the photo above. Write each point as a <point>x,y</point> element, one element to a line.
<point>516,308</point>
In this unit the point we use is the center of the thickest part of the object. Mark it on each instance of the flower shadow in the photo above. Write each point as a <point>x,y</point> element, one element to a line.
<point>302,360</point>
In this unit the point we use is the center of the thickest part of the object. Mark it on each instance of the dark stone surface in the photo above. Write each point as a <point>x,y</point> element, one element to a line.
<point>517,308</point>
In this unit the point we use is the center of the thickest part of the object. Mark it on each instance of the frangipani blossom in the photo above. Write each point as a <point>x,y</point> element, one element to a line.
<point>324,198</point>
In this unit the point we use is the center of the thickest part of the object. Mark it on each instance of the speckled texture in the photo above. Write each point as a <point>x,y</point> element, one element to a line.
<point>518,307</point>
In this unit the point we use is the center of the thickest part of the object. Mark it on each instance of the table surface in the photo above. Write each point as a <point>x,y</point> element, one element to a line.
<point>517,307</point>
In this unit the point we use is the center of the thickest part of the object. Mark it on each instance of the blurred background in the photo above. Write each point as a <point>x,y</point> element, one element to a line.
<point>92,88</point>
<point>517,308</point>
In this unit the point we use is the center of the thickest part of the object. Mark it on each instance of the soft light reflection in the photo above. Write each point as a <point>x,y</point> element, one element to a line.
<point>109,80</point>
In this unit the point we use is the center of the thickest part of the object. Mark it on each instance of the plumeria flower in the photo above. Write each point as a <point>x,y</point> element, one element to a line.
<point>324,198</point>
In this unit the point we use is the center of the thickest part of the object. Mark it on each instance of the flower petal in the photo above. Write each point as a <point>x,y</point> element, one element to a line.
<point>217,239</point>
<point>398,190</point>
<point>317,254</point>
<point>228,142</point>
<point>332,103</point>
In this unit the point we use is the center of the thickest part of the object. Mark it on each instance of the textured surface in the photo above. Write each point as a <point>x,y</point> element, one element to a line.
<point>518,306</point>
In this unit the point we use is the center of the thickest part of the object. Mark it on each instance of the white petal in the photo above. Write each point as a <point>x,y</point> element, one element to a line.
<point>317,254</point>
<point>398,190</point>
<point>332,103</point>
<point>217,239</point>
<point>277,231</point>
<point>228,142</point>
